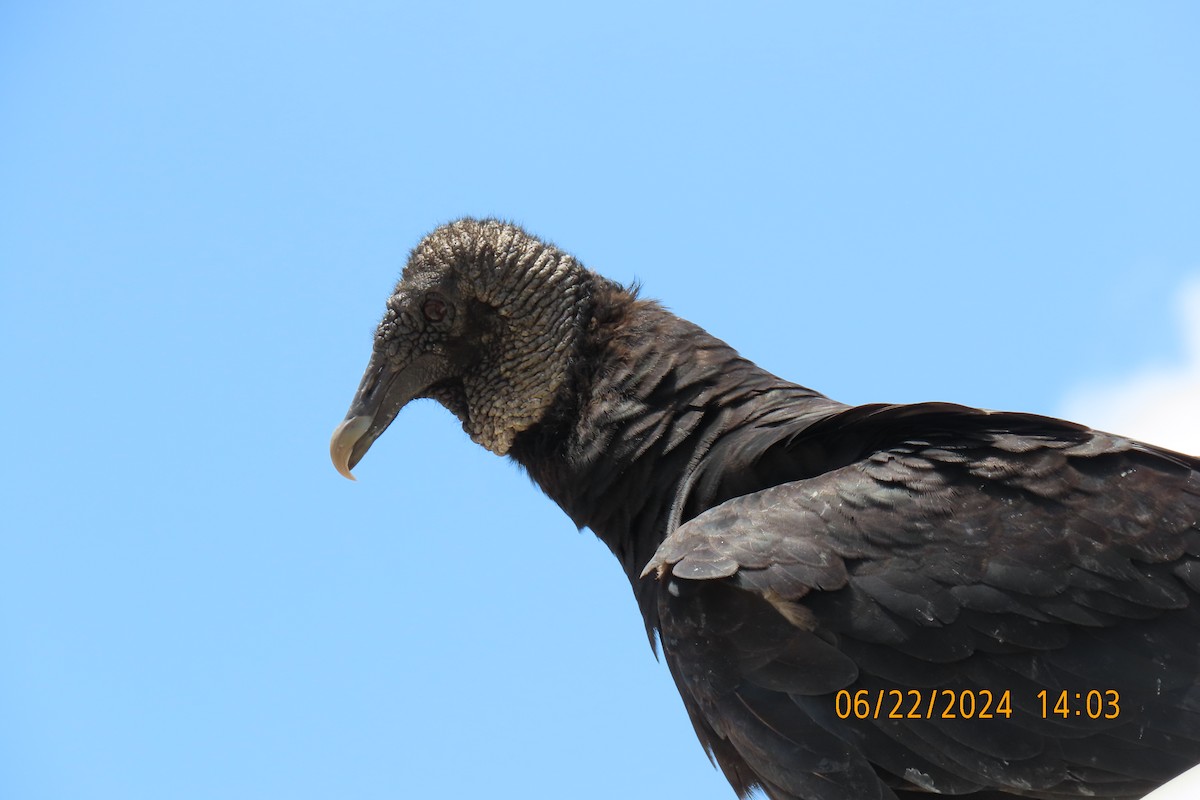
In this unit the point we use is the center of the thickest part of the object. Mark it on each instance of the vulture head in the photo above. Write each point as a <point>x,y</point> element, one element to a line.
<point>484,320</point>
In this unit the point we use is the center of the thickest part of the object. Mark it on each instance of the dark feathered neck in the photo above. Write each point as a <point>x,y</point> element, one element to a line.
<point>649,398</point>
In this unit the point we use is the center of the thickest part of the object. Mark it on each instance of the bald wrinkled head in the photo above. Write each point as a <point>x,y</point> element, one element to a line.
<point>484,320</point>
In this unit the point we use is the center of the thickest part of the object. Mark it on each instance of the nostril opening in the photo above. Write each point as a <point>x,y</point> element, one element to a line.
<point>371,384</point>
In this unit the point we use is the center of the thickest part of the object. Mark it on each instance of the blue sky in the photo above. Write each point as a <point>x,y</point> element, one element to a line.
<point>204,205</point>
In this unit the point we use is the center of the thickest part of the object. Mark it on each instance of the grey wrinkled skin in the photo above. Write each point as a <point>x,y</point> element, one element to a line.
<point>518,355</point>
<point>784,547</point>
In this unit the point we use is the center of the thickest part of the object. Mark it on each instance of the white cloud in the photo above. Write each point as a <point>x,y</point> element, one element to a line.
<point>1185,787</point>
<point>1160,405</point>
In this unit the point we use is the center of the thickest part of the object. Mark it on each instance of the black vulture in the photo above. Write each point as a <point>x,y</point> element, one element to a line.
<point>855,602</point>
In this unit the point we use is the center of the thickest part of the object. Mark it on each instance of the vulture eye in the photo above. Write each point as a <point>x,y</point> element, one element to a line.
<point>434,309</point>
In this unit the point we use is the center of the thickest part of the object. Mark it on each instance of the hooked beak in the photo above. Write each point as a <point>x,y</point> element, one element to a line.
<point>383,392</point>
